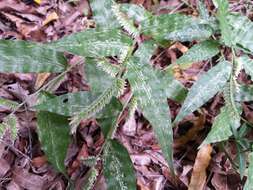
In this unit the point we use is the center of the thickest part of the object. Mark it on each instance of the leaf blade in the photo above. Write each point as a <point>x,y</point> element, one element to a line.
<point>199,52</point>
<point>25,57</point>
<point>118,167</point>
<point>205,88</point>
<point>53,131</point>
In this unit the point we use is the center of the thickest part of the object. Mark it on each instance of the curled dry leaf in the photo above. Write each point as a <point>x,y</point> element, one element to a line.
<point>51,17</point>
<point>198,177</point>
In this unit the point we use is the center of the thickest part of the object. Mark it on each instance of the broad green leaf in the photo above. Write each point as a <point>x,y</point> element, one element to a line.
<point>8,104</point>
<point>98,104</point>
<point>26,57</point>
<point>199,52</point>
<point>176,27</point>
<point>249,182</point>
<point>221,128</point>
<point>102,14</point>
<point>173,89</point>
<point>208,84</point>
<point>244,93</point>
<point>108,116</point>
<point>224,26</point>
<point>241,31</point>
<point>247,64</point>
<point>118,168</point>
<point>151,96</point>
<point>53,131</point>
<point>94,43</point>
<point>10,123</point>
<point>67,104</point>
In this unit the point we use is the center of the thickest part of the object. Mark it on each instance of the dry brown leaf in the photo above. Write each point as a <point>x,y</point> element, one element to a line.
<point>41,78</point>
<point>39,161</point>
<point>51,17</point>
<point>191,133</point>
<point>202,160</point>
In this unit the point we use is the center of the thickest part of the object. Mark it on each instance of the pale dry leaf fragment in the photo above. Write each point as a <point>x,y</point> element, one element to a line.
<point>51,17</point>
<point>202,160</point>
<point>40,80</point>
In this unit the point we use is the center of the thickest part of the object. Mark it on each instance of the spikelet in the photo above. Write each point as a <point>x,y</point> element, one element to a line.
<point>132,107</point>
<point>107,67</point>
<point>124,21</point>
<point>8,103</point>
<point>116,89</point>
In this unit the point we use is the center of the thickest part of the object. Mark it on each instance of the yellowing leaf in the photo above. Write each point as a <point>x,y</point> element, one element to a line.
<point>38,1</point>
<point>202,160</point>
<point>51,17</point>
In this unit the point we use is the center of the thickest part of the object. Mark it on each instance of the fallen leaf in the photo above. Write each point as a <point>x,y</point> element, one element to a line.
<point>202,160</point>
<point>28,180</point>
<point>51,17</point>
<point>39,161</point>
<point>40,80</point>
<point>191,133</point>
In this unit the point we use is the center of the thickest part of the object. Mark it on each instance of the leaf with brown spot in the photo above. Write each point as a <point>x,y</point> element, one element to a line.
<point>202,160</point>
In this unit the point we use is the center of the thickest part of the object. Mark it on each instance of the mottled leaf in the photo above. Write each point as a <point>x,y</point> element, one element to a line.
<point>226,33</point>
<point>173,89</point>
<point>176,27</point>
<point>199,52</point>
<point>53,131</point>
<point>208,84</point>
<point>67,104</point>
<point>102,14</point>
<point>222,125</point>
<point>241,31</point>
<point>94,43</point>
<point>25,57</point>
<point>151,96</point>
<point>118,169</point>
<point>203,11</point>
